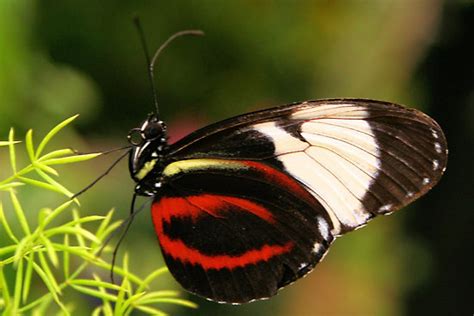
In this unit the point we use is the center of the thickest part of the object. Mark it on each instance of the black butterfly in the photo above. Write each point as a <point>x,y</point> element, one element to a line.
<point>250,204</point>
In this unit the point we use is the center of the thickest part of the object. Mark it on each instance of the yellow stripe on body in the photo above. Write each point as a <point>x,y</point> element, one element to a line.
<point>199,164</point>
<point>147,167</point>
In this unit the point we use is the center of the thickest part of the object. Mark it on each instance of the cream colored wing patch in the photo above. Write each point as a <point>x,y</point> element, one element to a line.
<point>337,161</point>
<point>359,159</point>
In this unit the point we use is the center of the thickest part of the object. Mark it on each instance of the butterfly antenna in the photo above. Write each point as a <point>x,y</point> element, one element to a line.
<point>122,236</point>
<point>103,174</point>
<point>126,226</point>
<point>151,62</point>
<point>105,152</point>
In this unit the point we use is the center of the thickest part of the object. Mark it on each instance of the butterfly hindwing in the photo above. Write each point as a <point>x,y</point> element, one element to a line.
<point>235,230</point>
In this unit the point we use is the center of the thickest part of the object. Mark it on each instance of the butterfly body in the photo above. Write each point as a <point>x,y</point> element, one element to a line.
<point>250,204</point>
<point>148,156</point>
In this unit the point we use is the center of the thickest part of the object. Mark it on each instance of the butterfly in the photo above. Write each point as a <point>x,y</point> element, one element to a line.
<point>248,205</point>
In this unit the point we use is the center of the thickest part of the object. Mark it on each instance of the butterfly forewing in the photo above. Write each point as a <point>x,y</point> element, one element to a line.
<point>252,203</point>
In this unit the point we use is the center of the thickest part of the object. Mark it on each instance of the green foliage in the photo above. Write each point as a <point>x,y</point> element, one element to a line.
<point>63,255</point>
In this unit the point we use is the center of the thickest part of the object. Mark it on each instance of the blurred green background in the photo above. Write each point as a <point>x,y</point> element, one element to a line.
<point>59,58</point>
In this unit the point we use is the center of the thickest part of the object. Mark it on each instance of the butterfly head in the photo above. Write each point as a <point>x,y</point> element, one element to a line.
<point>149,143</point>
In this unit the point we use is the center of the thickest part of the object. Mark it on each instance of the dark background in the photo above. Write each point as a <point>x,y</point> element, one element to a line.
<point>59,58</point>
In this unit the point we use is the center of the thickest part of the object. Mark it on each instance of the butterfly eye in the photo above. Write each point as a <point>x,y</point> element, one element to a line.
<point>135,137</point>
<point>153,130</point>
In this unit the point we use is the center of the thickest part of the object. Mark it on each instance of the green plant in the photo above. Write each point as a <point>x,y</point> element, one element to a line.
<point>62,255</point>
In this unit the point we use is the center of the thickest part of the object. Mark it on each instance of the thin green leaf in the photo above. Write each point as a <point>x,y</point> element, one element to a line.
<point>105,223</point>
<point>59,186</point>
<point>102,232</point>
<point>106,306</point>
<point>82,220</point>
<point>53,257</point>
<point>176,301</point>
<point>28,276</point>
<point>48,273</point>
<point>8,143</point>
<point>157,294</point>
<point>151,310</point>
<point>118,307</point>
<point>94,293</point>
<point>96,283</point>
<point>42,215</point>
<point>4,287</point>
<point>18,285</point>
<point>121,303</point>
<point>70,159</point>
<point>110,229</point>
<point>107,309</point>
<point>125,282</point>
<point>29,145</point>
<point>79,232</point>
<point>10,185</point>
<point>155,274</point>
<point>56,154</point>
<point>40,305</point>
<point>20,214</point>
<point>53,132</point>
<point>20,249</point>
<point>66,261</point>
<point>7,249</point>
<point>97,261</point>
<point>127,305</point>
<point>79,237</point>
<point>66,310</point>
<point>40,184</point>
<point>45,168</point>
<point>79,251</point>
<point>118,270</point>
<point>4,222</point>
<point>98,311</point>
<point>11,147</point>
<point>161,297</point>
<point>45,300</point>
<point>24,248</point>
<point>56,212</point>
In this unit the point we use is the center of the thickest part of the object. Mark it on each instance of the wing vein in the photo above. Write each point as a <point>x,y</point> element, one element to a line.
<point>395,157</point>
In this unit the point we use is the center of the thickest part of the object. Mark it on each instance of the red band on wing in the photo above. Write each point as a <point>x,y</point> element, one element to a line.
<point>212,204</point>
<point>193,206</point>
<point>249,206</point>
<point>179,251</point>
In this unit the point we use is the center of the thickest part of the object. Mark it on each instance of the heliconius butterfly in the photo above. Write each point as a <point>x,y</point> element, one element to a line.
<point>247,205</point>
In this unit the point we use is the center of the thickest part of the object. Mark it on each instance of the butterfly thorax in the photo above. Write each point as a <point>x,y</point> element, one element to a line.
<point>147,157</point>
